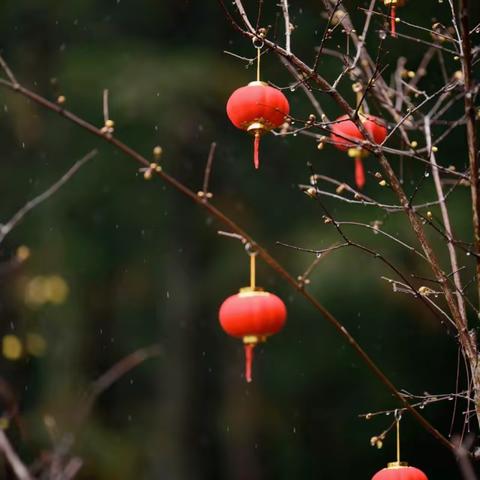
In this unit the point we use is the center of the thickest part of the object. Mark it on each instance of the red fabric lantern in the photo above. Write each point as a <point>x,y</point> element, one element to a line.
<point>344,130</point>
<point>252,315</point>
<point>399,471</point>
<point>257,108</point>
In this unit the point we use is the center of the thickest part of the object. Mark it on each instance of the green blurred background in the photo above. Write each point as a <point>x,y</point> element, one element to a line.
<point>136,264</point>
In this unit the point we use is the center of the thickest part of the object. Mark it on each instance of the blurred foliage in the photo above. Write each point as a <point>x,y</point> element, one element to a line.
<point>133,263</point>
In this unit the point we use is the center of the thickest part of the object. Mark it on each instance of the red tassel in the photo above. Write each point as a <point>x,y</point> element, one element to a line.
<point>248,361</point>
<point>359,173</point>
<point>393,18</point>
<point>256,146</point>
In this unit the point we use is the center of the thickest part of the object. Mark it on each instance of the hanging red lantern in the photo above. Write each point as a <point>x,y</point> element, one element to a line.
<point>252,315</point>
<point>399,471</point>
<point>344,130</point>
<point>393,4</point>
<point>257,108</point>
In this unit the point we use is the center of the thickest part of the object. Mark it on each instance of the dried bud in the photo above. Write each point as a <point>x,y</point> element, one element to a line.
<point>378,175</point>
<point>157,151</point>
<point>429,215</point>
<point>337,17</point>
<point>4,423</point>
<point>311,192</point>
<point>312,118</point>
<point>434,149</point>
<point>382,183</point>
<point>357,87</point>
<point>326,219</point>
<point>61,99</point>
<point>340,188</point>
<point>23,252</point>
<point>424,290</point>
<point>376,224</point>
<point>109,123</point>
<point>147,175</point>
<point>376,442</point>
<point>414,144</point>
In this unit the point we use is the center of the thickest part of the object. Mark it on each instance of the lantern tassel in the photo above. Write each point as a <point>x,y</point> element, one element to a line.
<point>256,146</point>
<point>393,18</point>
<point>359,172</point>
<point>248,361</point>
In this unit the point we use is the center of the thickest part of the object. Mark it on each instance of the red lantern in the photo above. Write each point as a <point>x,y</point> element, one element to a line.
<point>399,471</point>
<point>253,315</point>
<point>393,13</point>
<point>257,108</point>
<point>344,130</point>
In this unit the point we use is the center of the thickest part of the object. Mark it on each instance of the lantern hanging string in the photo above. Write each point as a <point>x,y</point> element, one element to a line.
<point>252,272</point>
<point>398,417</point>
<point>258,45</point>
<point>252,253</point>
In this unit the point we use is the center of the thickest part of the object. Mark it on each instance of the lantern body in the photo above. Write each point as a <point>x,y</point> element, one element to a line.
<point>401,472</point>
<point>257,105</point>
<point>252,313</point>
<point>344,129</point>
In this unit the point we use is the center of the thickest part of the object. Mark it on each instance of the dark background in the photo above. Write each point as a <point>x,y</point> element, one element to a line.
<point>144,265</point>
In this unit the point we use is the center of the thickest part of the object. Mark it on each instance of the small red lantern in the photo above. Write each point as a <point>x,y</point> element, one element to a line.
<point>393,4</point>
<point>252,315</point>
<point>399,471</point>
<point>257,108</point>
<point>344,130</point>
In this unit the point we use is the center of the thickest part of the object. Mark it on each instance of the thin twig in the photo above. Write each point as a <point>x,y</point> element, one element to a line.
<point>288,25</point>
<point>446,221</point>
<point>13,459</point>
<point>6,228</point>
<point>114,373</point>
<point>106,115</point>
<point>205,194</point>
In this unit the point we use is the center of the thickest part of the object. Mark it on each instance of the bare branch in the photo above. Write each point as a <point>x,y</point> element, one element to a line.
<point>446,221</point>
<point>17,465</point>
<point>288,25</point>
<point>6,228</point>
<point>8,72</point>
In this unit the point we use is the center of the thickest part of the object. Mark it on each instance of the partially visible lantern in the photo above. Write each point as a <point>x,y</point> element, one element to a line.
<point>344,131</point>
<point>399,471</point>
<point>393,4</point>
<point>252,315</point>
<point>257,108</point>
